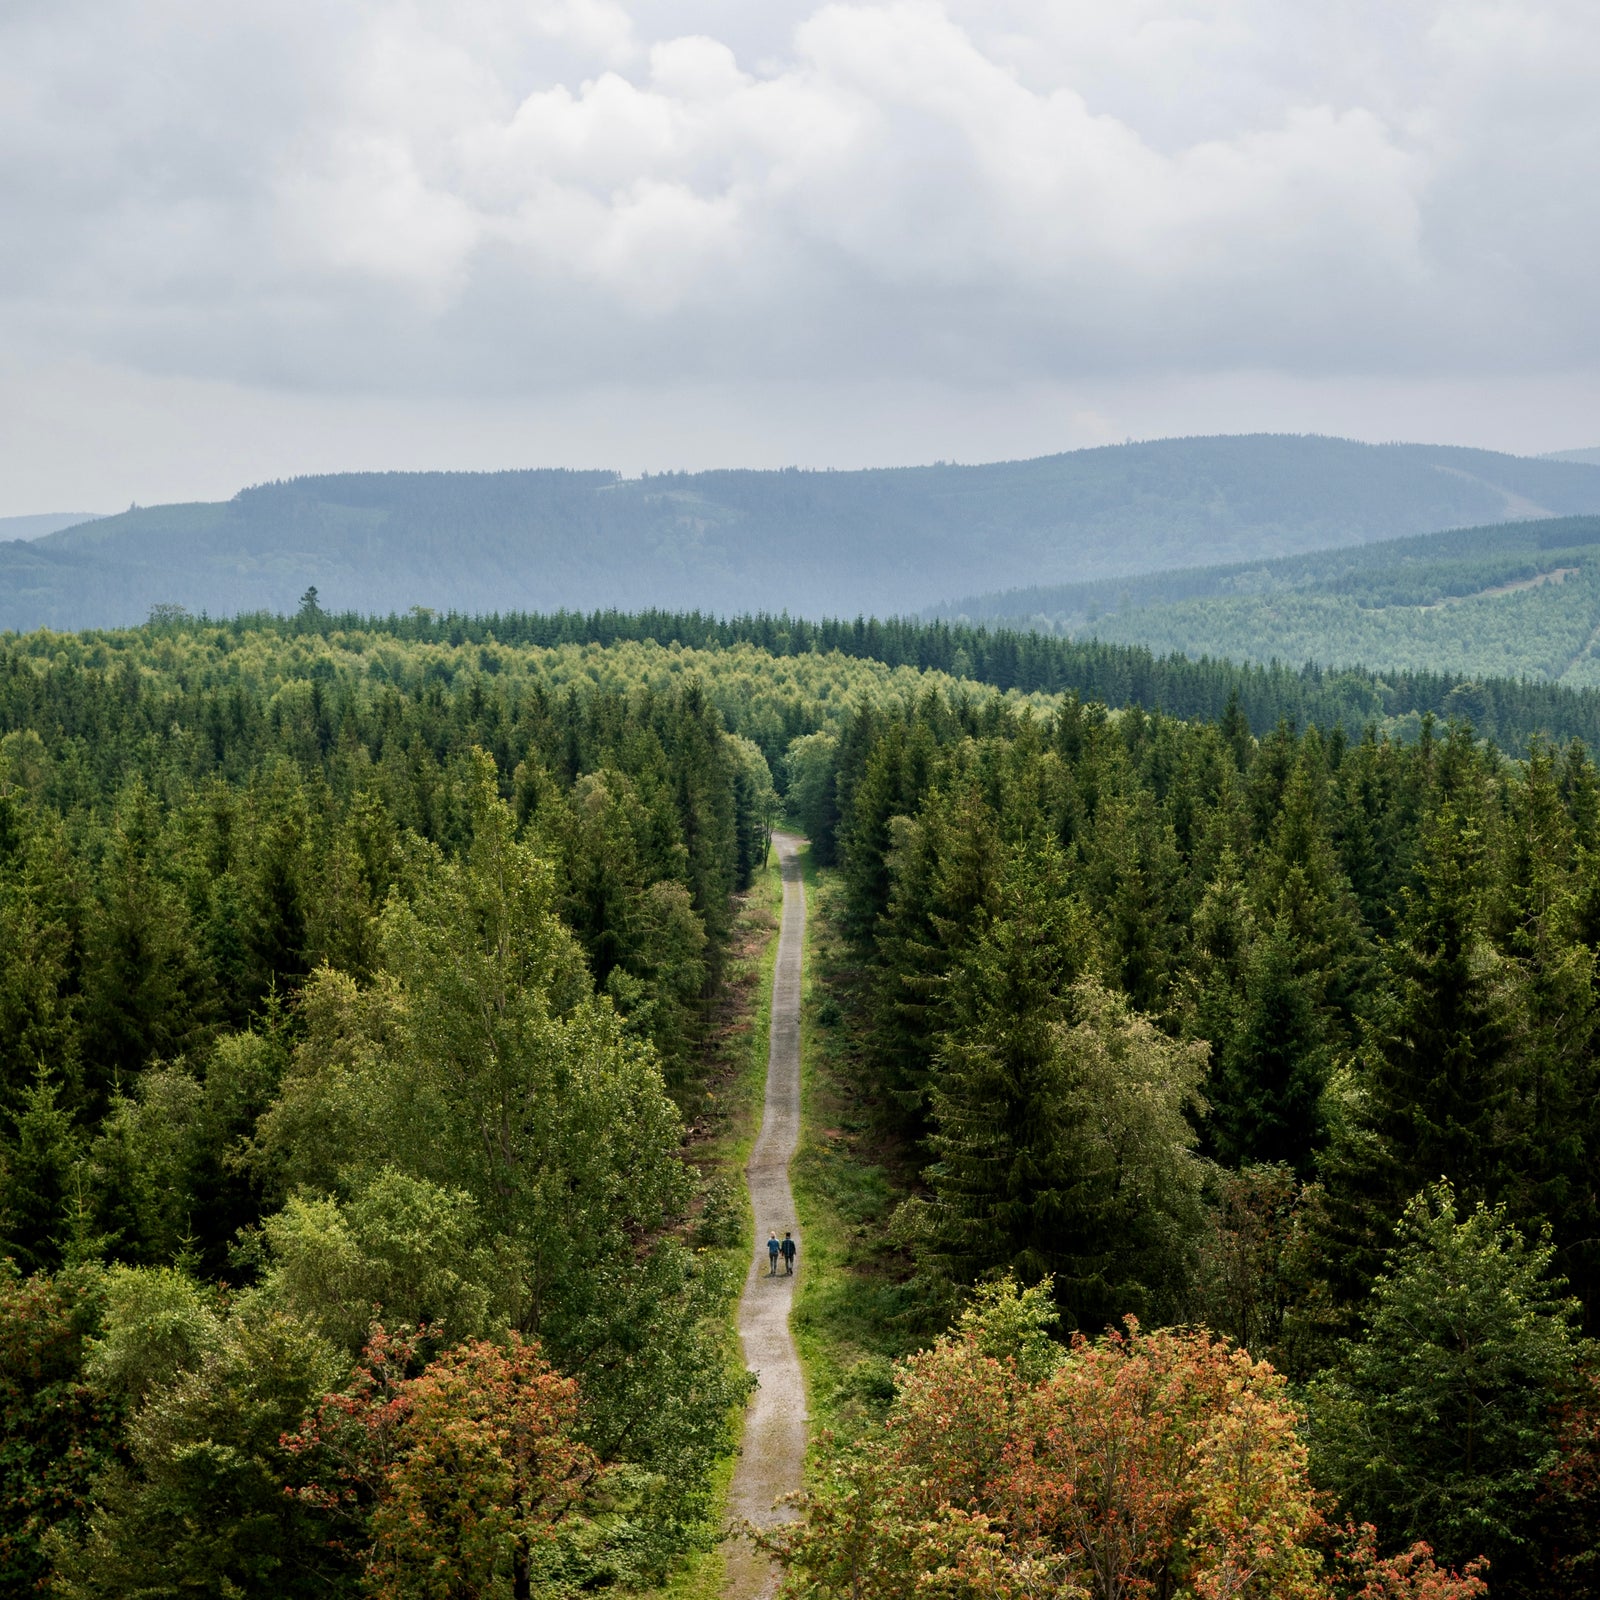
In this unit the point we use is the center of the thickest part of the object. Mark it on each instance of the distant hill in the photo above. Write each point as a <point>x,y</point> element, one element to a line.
<point>1587,458</point>
<point>880,542</point>
<point>36,526</point>
<point>1513,600</point>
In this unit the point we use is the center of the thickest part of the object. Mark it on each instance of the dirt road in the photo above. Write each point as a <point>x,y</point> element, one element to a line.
<point>774,1446</point>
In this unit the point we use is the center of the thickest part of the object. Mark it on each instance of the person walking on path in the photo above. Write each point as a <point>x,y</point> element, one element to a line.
<point>772,1453</point>
<point>773,1248</point>
<point>788,1253</point>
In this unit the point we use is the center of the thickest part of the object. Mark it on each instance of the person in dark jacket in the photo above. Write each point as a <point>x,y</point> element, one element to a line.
<point>788,1248</point>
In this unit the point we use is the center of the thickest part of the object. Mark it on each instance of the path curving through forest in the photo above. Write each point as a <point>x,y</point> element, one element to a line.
<point>772,1454</point>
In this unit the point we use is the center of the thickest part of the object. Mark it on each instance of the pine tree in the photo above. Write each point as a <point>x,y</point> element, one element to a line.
<point>1536,919</point>
<point>1440,1419</point>
<point>1436,1079</point>
<point>943,867</point>
<point>39,1160</point>
<point>1061,1137</point>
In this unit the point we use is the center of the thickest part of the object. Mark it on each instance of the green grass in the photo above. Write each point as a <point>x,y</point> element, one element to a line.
<point>724,1110</point>
<point>852,1314</point>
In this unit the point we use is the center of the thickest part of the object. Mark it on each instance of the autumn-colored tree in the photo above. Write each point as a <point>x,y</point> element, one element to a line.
<point>1140,1464</point>
<point>486,1474</point>
<point>468,1471</point>
<point>347,1447</point>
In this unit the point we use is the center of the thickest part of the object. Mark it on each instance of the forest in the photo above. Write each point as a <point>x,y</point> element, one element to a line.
<point>1232,1071</point>
<point>1291,1039</point>
<point>881,541</point>
<point>1517,600</point>
<point>330,648</point>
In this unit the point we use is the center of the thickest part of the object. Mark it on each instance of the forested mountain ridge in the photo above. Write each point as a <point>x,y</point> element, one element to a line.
<point>1514,600</point>
<point>883,541</point>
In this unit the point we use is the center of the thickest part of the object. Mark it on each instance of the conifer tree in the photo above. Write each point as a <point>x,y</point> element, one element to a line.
<point>1441,1418</point>
<point>1061,1139</point>
<point>1437,1075</point>
<point>1535,914</point>
<point>943,867</point>
<point>39,1166</point>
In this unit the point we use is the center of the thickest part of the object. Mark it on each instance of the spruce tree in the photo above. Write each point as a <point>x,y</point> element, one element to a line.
<point>1436,1081</point>
<point>943,870</point>
<point>1061,1138</point>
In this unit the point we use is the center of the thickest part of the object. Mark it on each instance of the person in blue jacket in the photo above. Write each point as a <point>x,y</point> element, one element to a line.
<point>773,1248</point>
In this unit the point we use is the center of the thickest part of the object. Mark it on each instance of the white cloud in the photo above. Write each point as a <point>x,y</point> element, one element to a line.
<point>514,198</point>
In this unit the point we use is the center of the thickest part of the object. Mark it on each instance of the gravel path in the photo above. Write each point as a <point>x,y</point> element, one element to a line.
<point>772,1457</point>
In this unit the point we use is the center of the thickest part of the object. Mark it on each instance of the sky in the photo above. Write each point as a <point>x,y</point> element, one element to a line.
<point>249,240</point>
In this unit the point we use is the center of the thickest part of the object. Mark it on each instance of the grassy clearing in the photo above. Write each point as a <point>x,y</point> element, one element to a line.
<point>852,1315</point>
<point>723,1113</point>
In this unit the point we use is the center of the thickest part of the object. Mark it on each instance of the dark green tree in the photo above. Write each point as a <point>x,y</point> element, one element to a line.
<point>1440,1420</point>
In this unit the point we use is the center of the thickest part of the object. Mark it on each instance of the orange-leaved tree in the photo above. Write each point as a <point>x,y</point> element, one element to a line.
<point>1160,1464</point>
<point>466,1476</point>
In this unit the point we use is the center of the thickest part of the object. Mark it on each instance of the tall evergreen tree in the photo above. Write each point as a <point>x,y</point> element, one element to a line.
<point>1437,1076</point>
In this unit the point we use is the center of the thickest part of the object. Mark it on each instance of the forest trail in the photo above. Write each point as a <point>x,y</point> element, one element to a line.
<point>772,1457</point>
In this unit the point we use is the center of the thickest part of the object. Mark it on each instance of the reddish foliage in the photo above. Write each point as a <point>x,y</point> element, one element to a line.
<point>1159,1464</point>
<point>1362,1574</point>
<point>353,1441</point>
<point>469,1469</point>
<point>1569,1502</point>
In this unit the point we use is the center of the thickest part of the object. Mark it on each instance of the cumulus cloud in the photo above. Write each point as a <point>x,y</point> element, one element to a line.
<point>520,196</point>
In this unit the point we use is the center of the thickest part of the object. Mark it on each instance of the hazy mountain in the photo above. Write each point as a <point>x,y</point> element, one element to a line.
<point>1587,458</point>
<point>43,522</point>
<point>883,541</point>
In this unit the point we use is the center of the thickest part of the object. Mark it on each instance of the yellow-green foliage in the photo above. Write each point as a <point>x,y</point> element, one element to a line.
<point>746,683</point>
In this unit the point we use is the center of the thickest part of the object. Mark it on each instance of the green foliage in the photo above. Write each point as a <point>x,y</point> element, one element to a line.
<point>358,973</point>
<point>39,1166</point>
<point>315,1010</point>
<point>539,1153</point>
<point>1013,1326</point>
<point>57,1430</point>
<point>401,1247</point>
<point>1063,1147</point>
<point>1440,1416</point>
<point>202,1506</point>
<point>813,802</point>
<point>1508,601</point>
<point>158,1324</point>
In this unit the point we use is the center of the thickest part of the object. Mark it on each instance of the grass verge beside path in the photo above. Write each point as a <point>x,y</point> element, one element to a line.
<point>722,1111</point>
<point>853,1315</point>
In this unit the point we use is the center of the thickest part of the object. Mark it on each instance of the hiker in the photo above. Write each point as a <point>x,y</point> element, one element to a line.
<point>772,1255</point>
<point>788,1253</point>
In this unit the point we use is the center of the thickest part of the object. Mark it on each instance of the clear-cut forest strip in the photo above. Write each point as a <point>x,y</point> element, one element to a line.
<point>772,1458</point>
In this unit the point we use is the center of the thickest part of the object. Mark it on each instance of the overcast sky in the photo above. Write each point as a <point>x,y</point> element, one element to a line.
<point>260,237</point>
